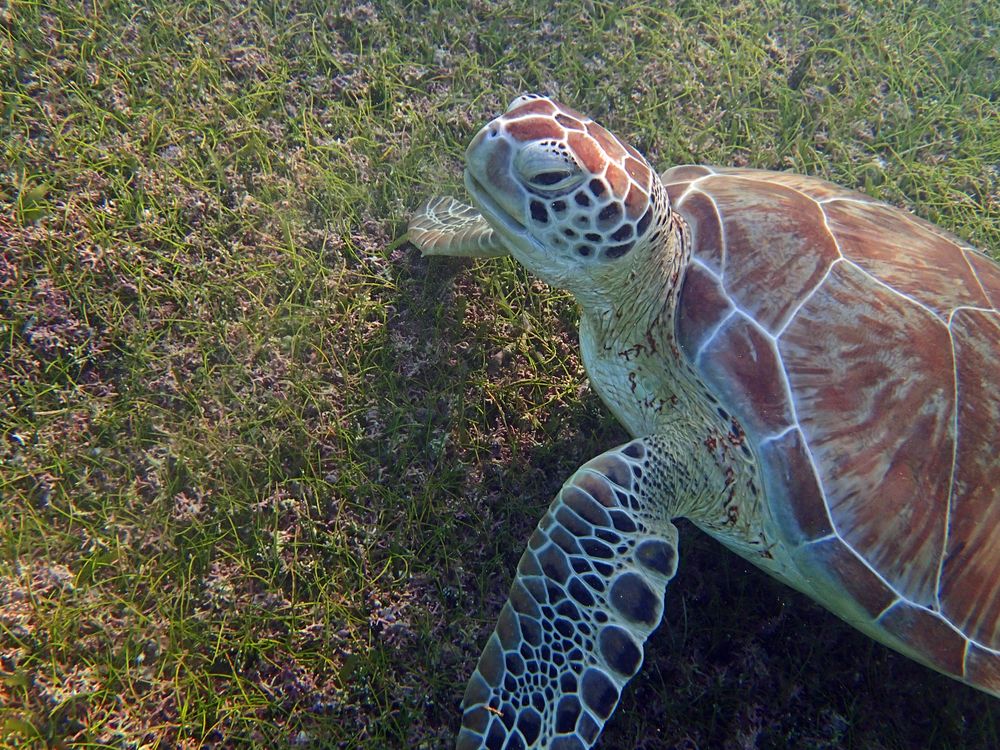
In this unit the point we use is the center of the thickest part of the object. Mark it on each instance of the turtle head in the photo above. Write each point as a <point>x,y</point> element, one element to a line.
<point>568,197</point>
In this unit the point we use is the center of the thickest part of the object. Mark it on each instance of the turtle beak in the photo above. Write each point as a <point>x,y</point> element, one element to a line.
<point>477,141</point>
<point>489,161</point>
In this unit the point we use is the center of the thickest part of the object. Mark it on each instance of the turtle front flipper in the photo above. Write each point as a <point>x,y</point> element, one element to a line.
<point>589,590</point>
<point>444,226</point>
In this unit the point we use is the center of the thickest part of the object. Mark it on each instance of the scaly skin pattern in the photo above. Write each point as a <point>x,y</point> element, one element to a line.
<point>589,591</point>
<point>443,226</point>
<point>628,372</point>
<point>717,324</point>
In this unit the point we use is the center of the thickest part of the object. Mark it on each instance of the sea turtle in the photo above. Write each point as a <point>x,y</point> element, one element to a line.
<point>810,377</point>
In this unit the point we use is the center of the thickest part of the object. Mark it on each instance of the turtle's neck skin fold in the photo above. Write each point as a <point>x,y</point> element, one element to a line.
<point>633,306</point>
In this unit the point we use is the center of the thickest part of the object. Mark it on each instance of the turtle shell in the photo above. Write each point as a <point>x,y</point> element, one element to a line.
<point>858,346</point>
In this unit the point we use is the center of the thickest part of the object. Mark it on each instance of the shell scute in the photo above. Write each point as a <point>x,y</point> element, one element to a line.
<point>685,173</point>
<point>814,187</point>
<point>988,274</point>
<point>872,378</point>
<point>794,488</point>
<point>741,363</point>
<point>777,248</point>
<point>843,569</point>
<point>970,587</point>
<point>982,668</point>
<point>928,634</point>
<point>887,334</point>
<point>705,226</point>
<point>886,482</point>
<point>925,265</point>
<point>702,308</point>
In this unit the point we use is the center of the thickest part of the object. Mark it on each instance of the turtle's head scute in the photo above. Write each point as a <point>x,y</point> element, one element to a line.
<point>562,191</point>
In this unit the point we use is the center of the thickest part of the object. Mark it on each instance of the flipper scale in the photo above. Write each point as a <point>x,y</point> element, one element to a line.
<point>445,226</point>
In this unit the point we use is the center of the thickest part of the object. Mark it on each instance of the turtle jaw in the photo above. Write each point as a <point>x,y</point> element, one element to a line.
<point>513,232</point>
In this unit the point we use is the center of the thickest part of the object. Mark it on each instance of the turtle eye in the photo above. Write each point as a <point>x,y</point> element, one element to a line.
<point>552,179</point>
<point>547,167</point>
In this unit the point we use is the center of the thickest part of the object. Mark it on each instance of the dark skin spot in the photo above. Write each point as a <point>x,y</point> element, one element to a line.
<point>529,722</point>
<point>634,450</point>
<point>644,221</point>
<point>657,555</point>
<point>580,592</point>
<point>620,650</point>
<point>607,535</point>
<point>622,521</point>
<point>564,627</point>
<point>572,522</point>
<point>568,609</point>
<point>584,506</point>
<point>618,251</point>
<point>588,729</point>
<point>564,539</point>
<point>567,683</point>
<point>554,564</point>
<point>610,212</point>
<point>567,743</point>
<point>567,712</point>
<point>599,693</point>
<point>495,739</point>
<point>515,664</point>
<point>622,233</point>
<point>594,548</point>
<point>631,596</point>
